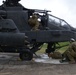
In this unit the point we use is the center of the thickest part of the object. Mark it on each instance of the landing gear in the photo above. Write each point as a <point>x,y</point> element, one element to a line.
<point>26,55</point>
<point>51,47</point>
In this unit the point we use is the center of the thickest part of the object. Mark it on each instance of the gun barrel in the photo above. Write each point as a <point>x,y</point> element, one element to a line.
<point>43,11</point>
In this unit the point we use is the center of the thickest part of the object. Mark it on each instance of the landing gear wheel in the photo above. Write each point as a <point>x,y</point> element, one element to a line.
<point>27,55</point>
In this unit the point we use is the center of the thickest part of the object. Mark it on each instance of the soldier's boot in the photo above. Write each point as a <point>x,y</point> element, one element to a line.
<point>64,60</point>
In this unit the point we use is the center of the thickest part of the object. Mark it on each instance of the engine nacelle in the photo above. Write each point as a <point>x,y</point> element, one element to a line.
<point>12,39</point>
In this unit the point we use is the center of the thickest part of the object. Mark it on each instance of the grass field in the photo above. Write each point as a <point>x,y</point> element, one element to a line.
<point>61,50</point>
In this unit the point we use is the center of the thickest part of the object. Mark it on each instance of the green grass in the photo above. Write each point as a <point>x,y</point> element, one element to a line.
<point>65,46</point>
<point>43,48</point>
<point>61,50</point>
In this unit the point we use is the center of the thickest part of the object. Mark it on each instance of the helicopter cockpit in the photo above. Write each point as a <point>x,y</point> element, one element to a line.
<point>55,21</point>
<point>50,21</point>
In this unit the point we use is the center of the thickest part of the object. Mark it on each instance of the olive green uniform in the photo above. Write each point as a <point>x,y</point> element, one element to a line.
<point>70,53</point>
<point>55,55</point>
<point>33,22</point>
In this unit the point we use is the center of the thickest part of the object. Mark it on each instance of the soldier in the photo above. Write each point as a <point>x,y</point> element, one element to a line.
<point>70,53</point>
<point>33,22</point>
<point>55,55</point>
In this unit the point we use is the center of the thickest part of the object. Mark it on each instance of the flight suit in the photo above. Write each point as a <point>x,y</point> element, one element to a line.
<point>70,53</point>
<point>33,22</point>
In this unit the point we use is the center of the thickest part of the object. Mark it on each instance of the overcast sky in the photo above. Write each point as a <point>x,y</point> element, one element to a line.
<point>65,9</point>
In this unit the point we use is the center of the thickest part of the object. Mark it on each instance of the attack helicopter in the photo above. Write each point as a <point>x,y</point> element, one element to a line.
<point>14,29</point>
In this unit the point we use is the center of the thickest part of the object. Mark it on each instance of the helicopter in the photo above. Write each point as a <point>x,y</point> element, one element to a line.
<point>15,30</point>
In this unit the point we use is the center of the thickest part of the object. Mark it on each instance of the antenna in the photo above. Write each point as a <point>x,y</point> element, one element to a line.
<point>3,1</point>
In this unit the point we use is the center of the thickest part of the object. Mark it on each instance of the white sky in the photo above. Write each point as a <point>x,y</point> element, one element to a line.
<point>65,9</point>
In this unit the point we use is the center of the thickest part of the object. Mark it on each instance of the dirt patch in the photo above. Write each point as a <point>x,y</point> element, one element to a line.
<point>14,66</point>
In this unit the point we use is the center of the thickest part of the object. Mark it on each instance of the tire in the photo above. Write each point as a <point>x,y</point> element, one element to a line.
<point>27,55</point>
